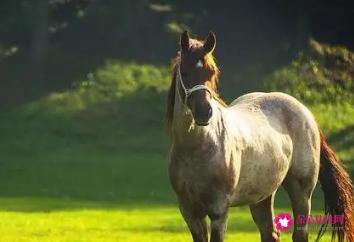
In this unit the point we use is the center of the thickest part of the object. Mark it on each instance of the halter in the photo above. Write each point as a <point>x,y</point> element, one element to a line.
<point>189,91</point>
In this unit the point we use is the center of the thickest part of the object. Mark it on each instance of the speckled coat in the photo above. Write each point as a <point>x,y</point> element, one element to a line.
<point>246,152</point>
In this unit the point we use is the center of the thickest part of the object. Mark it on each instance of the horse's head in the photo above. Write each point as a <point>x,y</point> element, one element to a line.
<point>198,76</point>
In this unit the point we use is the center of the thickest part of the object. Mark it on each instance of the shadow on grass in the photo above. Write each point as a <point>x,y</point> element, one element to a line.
<point>113,152</point>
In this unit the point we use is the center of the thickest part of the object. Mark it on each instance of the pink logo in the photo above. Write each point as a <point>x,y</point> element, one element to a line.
<point>283,221</point>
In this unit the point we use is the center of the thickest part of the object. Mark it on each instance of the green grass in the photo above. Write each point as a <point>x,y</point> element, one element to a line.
<point>90,164</point>
<point>161,223</point>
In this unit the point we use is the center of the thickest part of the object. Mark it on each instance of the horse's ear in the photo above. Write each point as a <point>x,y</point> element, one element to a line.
<point>184,42</point>
<point>210,42</point>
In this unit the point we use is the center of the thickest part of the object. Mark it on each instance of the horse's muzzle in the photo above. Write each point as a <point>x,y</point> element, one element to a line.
<point>202,118</point>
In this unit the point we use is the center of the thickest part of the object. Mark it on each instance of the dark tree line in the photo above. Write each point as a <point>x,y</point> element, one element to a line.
<point>57,41</point>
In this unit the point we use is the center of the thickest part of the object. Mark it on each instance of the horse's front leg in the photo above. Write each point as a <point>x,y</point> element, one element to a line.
<point>218,226</point>
<point>196,222</point>
<point>262,214</point>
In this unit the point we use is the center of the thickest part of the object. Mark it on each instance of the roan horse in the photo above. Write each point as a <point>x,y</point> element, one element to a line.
<point>239,154</point>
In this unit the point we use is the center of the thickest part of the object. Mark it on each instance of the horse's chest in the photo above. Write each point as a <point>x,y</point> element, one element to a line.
<point>201,181</point>
<point>194,190</point>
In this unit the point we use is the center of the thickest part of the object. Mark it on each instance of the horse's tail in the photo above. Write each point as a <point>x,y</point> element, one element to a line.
<point>338,193</point>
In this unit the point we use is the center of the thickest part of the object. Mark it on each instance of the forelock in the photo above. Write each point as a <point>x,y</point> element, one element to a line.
<point>195,45</point>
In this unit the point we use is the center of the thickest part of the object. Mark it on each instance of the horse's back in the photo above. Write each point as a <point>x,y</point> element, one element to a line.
<point>282,112</point>
<point>276,105</point>
<point>246,97</point>
<point>268,99</point>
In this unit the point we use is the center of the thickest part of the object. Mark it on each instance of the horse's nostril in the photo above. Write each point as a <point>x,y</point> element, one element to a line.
<point>210,113</point>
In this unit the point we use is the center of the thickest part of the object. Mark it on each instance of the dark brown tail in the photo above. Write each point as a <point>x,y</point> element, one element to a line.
<point>338,193</point>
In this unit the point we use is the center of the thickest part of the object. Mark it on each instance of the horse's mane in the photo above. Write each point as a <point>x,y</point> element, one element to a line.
<point>209,62</point>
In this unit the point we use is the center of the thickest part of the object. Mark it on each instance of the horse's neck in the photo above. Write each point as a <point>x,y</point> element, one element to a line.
<point>186,132</point>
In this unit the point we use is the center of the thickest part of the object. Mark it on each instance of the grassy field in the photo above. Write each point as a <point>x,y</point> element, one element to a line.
<point>162,223</point>
<point>99,198</point>
<point>83,165</point>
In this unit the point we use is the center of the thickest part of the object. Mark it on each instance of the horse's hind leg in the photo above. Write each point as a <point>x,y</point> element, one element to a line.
<point>262,214</point>
<point>300,192</point>
<point>300,183</point>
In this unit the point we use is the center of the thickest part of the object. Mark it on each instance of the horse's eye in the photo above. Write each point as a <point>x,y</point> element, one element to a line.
<point>184,74</point>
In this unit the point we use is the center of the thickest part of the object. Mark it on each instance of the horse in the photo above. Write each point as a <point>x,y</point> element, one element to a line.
<point>239,154</point>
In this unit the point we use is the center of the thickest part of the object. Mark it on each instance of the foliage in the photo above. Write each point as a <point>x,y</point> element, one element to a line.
<point>47,45</point>
<point>117,79</point>
<point>325,76</point>
<point>324,80</point>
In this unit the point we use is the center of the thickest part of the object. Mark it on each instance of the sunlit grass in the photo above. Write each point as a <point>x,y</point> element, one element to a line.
<point>162,223</point>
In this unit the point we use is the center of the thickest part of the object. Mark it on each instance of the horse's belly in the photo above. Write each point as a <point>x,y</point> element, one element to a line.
<point>255,189</point>
<point>260,177</point>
